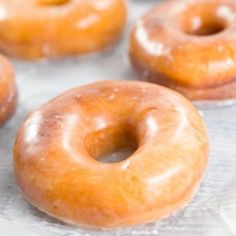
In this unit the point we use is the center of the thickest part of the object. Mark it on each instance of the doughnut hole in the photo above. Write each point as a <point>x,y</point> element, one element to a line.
<point>112,144</point>
<point>202,20</point>
<point>53,2</point>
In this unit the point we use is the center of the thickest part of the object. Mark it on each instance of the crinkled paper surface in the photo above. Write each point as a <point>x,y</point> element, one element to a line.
<point>211,213</point>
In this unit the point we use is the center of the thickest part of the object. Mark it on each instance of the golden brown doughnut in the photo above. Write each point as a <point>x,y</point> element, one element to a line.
<point>8,92</point>
<point>189,46</point>
<point>58,147</point>
<point>52,28</point>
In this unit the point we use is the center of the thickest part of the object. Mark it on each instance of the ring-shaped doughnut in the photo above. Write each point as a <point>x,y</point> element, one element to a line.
<point>55,28</point>
<point>189,46</point>
<point>58,148</point>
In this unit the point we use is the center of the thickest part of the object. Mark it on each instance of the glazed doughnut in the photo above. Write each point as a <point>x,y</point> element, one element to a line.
<point>58,147</point>
<point>189,46</point>
<point>8,94</point>
<point>54,28</point>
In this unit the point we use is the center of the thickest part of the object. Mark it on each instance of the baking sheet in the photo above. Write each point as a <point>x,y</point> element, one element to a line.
<point>211,213</point>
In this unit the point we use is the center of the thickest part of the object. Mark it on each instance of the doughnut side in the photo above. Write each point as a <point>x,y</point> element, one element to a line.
<point>137,220</point>
<point>8,106</point>
<point>8,91</point>
<point>220,92</point>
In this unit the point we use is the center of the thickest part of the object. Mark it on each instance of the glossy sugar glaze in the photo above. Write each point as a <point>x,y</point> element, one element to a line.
<point>8,93</point>
<point>189,46</point>
<point>56,28</point>
<point>58,144</point>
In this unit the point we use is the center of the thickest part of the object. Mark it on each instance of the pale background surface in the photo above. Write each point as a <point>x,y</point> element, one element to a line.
<point>212,212</point>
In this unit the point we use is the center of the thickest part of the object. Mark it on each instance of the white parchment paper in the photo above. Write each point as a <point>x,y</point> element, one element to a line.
<point>211,213</point>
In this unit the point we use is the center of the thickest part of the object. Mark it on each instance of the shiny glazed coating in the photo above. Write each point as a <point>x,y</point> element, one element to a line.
<point>8,93</point>
<point>189,46</point>
<point>53,28</point>
<point>57,151</point>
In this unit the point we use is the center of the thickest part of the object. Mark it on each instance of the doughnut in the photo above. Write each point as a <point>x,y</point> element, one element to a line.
<point>8,93</point>
<point>56,28</point>
<point>58,151</point>
<point>189,46</point>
